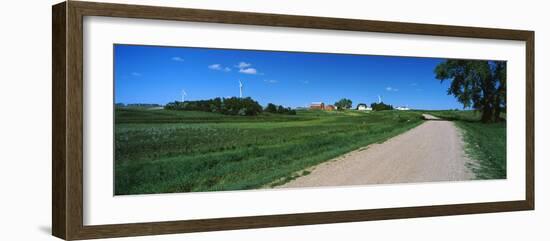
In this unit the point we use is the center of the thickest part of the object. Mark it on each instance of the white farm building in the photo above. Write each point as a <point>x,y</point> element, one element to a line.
<point>363,107</point>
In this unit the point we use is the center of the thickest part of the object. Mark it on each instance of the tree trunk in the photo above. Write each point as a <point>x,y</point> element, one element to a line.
<point>487,114</point>
<point>497,108</point>
<point>496,116</point>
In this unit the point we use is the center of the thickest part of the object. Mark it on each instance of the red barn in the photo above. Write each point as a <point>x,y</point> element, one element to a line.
<point>317,106</point>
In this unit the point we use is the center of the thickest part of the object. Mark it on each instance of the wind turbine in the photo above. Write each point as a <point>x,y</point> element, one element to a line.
<point>379,99</point>
<point>240,89</point>
<point>183,94</point>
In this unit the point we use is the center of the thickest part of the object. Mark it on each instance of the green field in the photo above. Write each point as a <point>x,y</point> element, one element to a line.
<point>485,143</point>
<point>161,151</point>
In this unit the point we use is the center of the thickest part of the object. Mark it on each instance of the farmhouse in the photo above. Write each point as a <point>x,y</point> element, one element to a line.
<point>317,106</point>
<point>363,107</point>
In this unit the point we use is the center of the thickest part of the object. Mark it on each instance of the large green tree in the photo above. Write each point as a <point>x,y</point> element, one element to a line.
<point>478,84</point>
<point>343,104</point>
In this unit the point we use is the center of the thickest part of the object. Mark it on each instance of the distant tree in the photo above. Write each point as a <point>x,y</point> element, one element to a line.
<point>291,111</point>
<point>271,108</point>
<point>241,106</point>
<point>281,109</point>
<point>343,104</point>
<point>380,106</point>
<point>216,105</point>
<point>477,84</point>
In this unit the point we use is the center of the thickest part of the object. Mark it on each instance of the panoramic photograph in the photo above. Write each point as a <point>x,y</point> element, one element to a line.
<point>190,119</point>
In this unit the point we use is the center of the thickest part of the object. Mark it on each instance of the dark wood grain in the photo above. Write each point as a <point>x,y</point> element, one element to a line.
<point>74,120</point>
<point>530,120</point>
<point>279,20</point>
<point>67,150</point>
<point>121,230</point>
<point>59,192</point>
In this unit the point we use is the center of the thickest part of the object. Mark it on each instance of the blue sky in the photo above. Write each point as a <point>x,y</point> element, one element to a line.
<point>150,74</point>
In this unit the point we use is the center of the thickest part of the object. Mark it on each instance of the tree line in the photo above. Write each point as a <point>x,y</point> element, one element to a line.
<point>229,106</point>
<point>380,106</point>
<point>137,105</point>
<point>272,108</point>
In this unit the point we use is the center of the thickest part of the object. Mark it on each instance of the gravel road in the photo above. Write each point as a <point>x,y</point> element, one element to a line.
<point>432,151</point>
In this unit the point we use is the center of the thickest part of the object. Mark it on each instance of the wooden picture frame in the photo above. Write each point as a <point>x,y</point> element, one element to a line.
<point>67,150</point>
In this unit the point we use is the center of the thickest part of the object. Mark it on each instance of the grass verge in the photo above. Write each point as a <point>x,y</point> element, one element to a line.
<point>485,143</point>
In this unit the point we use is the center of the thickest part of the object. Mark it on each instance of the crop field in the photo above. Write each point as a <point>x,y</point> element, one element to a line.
<point>485,143</point>
<point>161,151</point>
